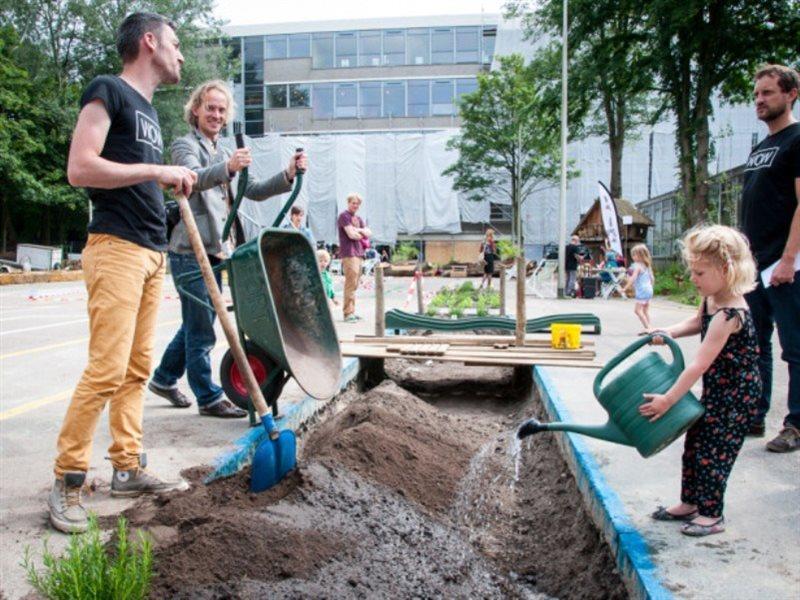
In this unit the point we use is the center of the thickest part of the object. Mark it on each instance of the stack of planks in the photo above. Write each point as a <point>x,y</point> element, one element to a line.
<point>472,350</point>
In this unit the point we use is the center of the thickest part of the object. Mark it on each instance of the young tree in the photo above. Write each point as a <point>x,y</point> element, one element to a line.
<point>609,83</point>
<point>509,140</point>
<point>699,48</point>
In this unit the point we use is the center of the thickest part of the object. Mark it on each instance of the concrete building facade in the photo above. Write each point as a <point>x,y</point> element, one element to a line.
<point>359,76</point>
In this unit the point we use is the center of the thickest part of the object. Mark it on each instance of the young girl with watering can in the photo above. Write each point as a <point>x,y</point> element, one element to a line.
<point>723,270</point>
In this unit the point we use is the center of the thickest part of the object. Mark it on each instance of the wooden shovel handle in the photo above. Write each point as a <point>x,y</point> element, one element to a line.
<point>231,334</point>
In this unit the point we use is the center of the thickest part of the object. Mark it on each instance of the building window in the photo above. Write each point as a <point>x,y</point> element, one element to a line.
<point>322,50</point>
<point>276,96</point>
<point>442,97</point>
<point>254,59</point>
<point>418,98</point>
<point>369,49</point>
<point>276,47</point>
<point>234,49</point>
<point>299,45</point>
<point>299,95</point>
<point>254,127</point>
<point>489,37</point>
<point>394,100</point>
<point>467,44</point>
<point>442,46</point>
<point>394,47</point>
<point>346,101</point>
<point>418,47</point>
<point>322,100</point>
<point>369,100</point>
<point>465,86</point>
<point>254,95</point>
<point>346,50</point>
<point>253,114</point>
<point>500,212</point>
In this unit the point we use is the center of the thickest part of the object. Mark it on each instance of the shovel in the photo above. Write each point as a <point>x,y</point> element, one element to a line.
<point>275,456</point>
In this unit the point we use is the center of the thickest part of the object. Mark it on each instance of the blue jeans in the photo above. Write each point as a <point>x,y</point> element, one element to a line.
<point>778,305</point>
<point>190,350</point>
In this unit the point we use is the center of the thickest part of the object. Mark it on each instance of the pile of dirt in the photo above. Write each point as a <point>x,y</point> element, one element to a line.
<point>393,497</point>
<point>393,438</point>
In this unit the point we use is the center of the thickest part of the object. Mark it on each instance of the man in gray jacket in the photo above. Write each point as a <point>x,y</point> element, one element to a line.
<point>209,108</point>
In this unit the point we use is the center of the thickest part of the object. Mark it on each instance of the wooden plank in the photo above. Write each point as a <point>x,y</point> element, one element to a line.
<point>503,358</point>
<point>480,351</point>
<point>477,340</point>
<point>373,352</point>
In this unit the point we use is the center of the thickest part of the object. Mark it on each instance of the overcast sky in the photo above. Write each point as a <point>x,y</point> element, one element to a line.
<point>255,12</point>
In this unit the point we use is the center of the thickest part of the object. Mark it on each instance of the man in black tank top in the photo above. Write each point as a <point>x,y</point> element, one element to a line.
<point>116,153</point>
<point>771,221</point>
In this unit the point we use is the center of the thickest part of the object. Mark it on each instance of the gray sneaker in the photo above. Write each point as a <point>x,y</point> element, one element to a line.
<point>135,482</point>
<point>66,511</point>
<point>788,440</point>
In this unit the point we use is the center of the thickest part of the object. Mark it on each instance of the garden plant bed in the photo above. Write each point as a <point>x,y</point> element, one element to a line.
<point>395,496</point>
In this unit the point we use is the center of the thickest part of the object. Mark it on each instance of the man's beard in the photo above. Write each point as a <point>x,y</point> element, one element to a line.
<point>167,76</point>
<point>773,114</point>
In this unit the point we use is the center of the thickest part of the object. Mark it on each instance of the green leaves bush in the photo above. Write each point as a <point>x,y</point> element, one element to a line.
<point>87,570</point>
<point>405,251</point>
<point>673,282</point>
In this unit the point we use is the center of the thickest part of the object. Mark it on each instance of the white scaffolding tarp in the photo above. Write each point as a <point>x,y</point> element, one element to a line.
<point>399,175</point>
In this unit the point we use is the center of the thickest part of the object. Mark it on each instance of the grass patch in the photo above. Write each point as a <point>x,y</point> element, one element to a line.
<point>405,251</point>
<point>673,282</point>
<point>88,570</point>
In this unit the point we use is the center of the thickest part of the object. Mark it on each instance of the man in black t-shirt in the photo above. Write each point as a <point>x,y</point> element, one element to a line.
<point>771,221</point>
<point>571,258</point>
<point>116,154</point>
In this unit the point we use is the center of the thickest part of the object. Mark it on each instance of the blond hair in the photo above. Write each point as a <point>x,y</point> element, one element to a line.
<point>198,95</point>
<point>642,252</point>
<point>728,249</point>
<point>354,196</point>
<point>323,254</point>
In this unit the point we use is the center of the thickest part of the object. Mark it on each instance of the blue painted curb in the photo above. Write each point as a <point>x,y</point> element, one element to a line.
<point>240,454</point>
<point>629,547</point>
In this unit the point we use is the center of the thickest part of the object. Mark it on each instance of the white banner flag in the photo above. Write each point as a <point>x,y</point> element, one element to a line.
<point>608,211</point>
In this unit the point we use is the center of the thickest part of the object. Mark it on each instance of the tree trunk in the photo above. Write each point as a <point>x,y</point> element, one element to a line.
<point>615,119</point>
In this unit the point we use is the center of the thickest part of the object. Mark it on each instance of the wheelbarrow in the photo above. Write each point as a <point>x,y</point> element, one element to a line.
<point>281,312</point>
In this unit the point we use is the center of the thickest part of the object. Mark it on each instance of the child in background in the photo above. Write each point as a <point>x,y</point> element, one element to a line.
<point>641,280</point>
<point>324,259</point>
<point>723,270</point>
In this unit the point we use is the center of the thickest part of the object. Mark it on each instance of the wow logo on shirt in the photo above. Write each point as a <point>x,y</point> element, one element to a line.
<point>148,132</point>
<point>761,159</point>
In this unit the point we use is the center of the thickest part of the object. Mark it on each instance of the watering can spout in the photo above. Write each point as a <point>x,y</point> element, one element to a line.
<point>530,427</point>
<point>608,432</point>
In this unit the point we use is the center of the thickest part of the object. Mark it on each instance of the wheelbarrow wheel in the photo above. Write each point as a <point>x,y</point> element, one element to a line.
<point>233,383</point>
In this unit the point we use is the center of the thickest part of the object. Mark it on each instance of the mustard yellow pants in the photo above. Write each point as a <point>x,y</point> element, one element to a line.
<point>352,273</point>
<point>124,284</point>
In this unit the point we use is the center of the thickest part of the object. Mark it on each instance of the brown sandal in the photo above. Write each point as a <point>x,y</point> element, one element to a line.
<point>697,530</point>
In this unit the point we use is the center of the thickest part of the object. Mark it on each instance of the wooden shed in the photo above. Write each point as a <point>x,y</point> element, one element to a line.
<point>592,232</point>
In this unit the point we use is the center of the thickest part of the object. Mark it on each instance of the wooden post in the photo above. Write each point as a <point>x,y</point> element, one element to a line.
<point>520,332</point>
<point>380,315</point>
<point>420,303</point>
<point>502,290</point>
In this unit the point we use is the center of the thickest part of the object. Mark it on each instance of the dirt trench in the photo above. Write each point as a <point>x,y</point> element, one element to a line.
<point>397,494</point>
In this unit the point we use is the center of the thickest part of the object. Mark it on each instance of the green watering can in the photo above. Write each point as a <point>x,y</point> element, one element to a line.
<point>622,397</point>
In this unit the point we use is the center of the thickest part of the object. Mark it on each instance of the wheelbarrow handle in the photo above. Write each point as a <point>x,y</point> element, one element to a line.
<point>298,184</point>
<point>677,358</point>
<point>239,356</point>
<point>241,188</point>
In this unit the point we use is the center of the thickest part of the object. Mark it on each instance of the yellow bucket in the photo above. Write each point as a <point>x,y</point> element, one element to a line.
<point>565,336</point>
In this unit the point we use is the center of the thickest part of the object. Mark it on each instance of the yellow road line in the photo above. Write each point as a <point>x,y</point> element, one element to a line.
<point>66,343</point>
<point>33,404</point>
<point>65,395</point>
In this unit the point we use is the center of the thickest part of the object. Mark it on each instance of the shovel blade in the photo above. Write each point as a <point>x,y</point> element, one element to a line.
<point>272,461</point>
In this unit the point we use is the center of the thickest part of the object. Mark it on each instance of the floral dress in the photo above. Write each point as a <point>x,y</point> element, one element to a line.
<point>731,389</point>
